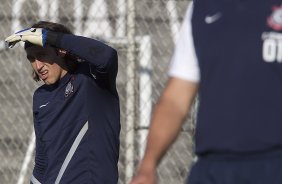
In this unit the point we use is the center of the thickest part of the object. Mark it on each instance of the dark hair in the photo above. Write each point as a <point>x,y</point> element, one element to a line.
<point>70,60</point>
<point>52,26</point>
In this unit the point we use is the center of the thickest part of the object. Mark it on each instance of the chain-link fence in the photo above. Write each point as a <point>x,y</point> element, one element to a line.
<point>143,32</point>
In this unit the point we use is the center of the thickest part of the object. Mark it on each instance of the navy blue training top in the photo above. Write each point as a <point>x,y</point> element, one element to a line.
<point>239,49</point>
<point>77,119</point>
<point>240,58</point>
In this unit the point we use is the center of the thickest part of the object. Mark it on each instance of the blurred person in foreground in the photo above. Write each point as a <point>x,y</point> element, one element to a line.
<point>76,110</point>
<point>230,53</point>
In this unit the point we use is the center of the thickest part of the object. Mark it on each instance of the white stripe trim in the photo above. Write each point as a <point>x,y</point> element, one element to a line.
<point>34,180</point>
<point>71,152</point>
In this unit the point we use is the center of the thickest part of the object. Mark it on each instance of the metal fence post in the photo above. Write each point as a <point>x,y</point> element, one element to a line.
<point>130,92</point>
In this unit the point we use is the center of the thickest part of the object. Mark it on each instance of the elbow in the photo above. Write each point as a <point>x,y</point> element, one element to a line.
<point>114,55</point>
<point>110,65</point>
<point>112,61</point>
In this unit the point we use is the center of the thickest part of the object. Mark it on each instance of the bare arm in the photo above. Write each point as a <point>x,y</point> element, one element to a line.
<point>168,117</point>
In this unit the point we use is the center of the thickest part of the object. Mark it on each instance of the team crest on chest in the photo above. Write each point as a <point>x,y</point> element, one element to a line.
<point>275,19</point>
<point>69,89</point>
<point>272,40</point>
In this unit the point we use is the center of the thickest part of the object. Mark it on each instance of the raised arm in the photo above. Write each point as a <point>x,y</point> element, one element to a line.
<point>103,58</point>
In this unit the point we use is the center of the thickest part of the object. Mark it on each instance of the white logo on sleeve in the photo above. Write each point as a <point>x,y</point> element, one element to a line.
<point>209,19</point>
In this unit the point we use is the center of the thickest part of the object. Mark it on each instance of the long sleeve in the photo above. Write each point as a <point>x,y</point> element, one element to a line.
<point>103,58</point>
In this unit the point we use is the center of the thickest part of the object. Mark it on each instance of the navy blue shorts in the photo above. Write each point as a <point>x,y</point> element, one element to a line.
<point>263,168</point>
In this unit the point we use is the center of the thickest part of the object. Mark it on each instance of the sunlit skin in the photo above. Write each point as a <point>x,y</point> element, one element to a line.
<point>47,63</point>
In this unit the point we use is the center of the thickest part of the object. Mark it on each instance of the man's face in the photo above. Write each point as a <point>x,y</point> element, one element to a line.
<point>46,63</point>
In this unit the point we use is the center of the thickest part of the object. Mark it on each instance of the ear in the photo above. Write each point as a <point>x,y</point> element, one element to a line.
<point>62,53</point>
